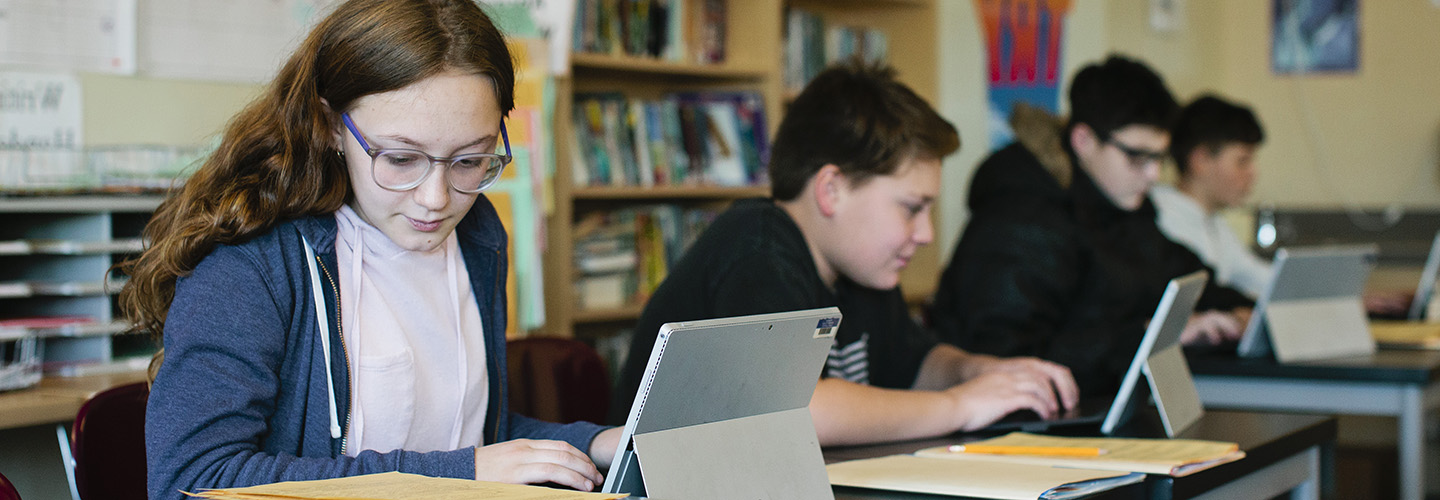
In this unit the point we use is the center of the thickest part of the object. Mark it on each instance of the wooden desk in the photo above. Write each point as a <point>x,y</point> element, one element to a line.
<point>1284,453</point>
<point>56,399</point>
<point>1396,383</point>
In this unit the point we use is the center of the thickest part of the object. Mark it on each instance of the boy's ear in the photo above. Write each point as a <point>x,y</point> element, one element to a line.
<point>1199,160</point>
<point>1083,139</point>
<point>827,185</point>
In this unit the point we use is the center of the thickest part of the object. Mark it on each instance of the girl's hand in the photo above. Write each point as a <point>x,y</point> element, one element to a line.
<point>529,461</point>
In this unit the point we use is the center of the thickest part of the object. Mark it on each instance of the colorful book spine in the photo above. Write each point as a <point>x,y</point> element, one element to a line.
<point>715,138</point>
<point>622,256</point>
<point>810,46</point>
<point>661,29</point>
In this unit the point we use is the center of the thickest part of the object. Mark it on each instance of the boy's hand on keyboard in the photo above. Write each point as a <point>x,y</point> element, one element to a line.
<point>1055,375</point>
<point>987,398</point>
<point>1212,328</point>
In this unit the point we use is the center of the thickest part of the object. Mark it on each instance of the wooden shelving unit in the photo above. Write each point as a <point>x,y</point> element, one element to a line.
<point>668,192</point>
<point>582,62</point>
<point>754,62</point>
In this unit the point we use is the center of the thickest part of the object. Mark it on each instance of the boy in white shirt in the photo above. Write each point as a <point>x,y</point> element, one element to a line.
<point>1213,143</point>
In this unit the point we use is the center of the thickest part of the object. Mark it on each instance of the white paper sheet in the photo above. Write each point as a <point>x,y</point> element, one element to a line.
<point>40,111</point>
<point>72,35</point>
<point>223,40</point>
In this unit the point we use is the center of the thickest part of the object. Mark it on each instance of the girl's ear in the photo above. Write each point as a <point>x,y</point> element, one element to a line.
<point>337,133</point>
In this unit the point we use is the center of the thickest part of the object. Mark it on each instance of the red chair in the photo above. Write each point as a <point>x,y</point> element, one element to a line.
<point>108,444</point>
<point>557,380</point>
<point>7,490</point>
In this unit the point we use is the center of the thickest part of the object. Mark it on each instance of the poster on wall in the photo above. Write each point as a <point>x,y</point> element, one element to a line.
<point>1310,36</point>
<point>1022,44</point>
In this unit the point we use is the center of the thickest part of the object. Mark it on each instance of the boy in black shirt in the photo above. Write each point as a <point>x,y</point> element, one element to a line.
<point>854,173</point>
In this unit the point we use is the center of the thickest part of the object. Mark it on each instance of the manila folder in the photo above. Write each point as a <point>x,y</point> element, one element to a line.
<point>975,478</point>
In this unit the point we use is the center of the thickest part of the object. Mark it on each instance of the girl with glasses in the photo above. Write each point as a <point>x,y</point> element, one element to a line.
<point>332,301</point>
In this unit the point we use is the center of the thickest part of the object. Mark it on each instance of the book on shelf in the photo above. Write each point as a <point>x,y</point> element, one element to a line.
<point>692,138</point>
<point>622,256</point>
<point>711,24</point>
<point>636,28</point>
<point>810,45</point>
<point>605,260</point>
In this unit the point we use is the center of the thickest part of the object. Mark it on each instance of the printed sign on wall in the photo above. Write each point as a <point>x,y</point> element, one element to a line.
<point>39,111</point>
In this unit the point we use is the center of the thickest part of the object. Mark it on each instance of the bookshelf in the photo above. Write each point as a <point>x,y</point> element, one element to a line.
<point>754,42</point>
<point>57,252</point>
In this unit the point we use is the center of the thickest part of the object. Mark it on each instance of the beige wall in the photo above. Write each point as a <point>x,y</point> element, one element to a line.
<point>1367,139</point>
<point>132,110</point>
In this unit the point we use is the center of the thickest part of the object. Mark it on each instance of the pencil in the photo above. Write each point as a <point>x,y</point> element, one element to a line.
<point>1063,451</point>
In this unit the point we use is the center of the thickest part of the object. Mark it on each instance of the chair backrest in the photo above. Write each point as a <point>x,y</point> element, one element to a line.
<point>7,490</point>
<point>109,444</point>
<point>557,380</point>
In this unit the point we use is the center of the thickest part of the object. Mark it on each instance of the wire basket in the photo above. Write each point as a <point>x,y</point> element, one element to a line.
<point>20,363</point>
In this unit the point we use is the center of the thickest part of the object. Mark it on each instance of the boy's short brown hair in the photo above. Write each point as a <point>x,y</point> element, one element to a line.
<point>855,116</point>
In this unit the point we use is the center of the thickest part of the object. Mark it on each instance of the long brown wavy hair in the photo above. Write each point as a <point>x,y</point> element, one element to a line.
<point>276,160</point>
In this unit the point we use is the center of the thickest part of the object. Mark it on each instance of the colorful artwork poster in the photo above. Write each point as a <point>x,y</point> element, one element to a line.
<point>1315,36</point>
<point>1023,49</point>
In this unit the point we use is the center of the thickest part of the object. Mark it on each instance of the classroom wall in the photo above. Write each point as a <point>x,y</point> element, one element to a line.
<point>136,110</point>
<point>1370,138</point>
<point>1367,139</point>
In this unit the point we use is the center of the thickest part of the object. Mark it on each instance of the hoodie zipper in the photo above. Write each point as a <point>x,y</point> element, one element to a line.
<point>340,328</point>
<point>499,289</point>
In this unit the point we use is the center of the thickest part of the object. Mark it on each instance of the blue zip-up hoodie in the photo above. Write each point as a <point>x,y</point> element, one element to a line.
<point>242,397</point>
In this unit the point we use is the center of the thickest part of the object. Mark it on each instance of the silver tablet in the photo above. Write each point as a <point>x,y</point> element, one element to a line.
<point>1312,308</point>
<point>1162,334</point>
<point>1165,367</point>
<point>1111,411</point>
<point>723,410</point>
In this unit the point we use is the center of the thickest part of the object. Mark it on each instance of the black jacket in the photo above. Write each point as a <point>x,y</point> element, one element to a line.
<point>1048,266</point>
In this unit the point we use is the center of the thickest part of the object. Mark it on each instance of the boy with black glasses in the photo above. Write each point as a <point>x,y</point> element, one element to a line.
<point>1061,258</point>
